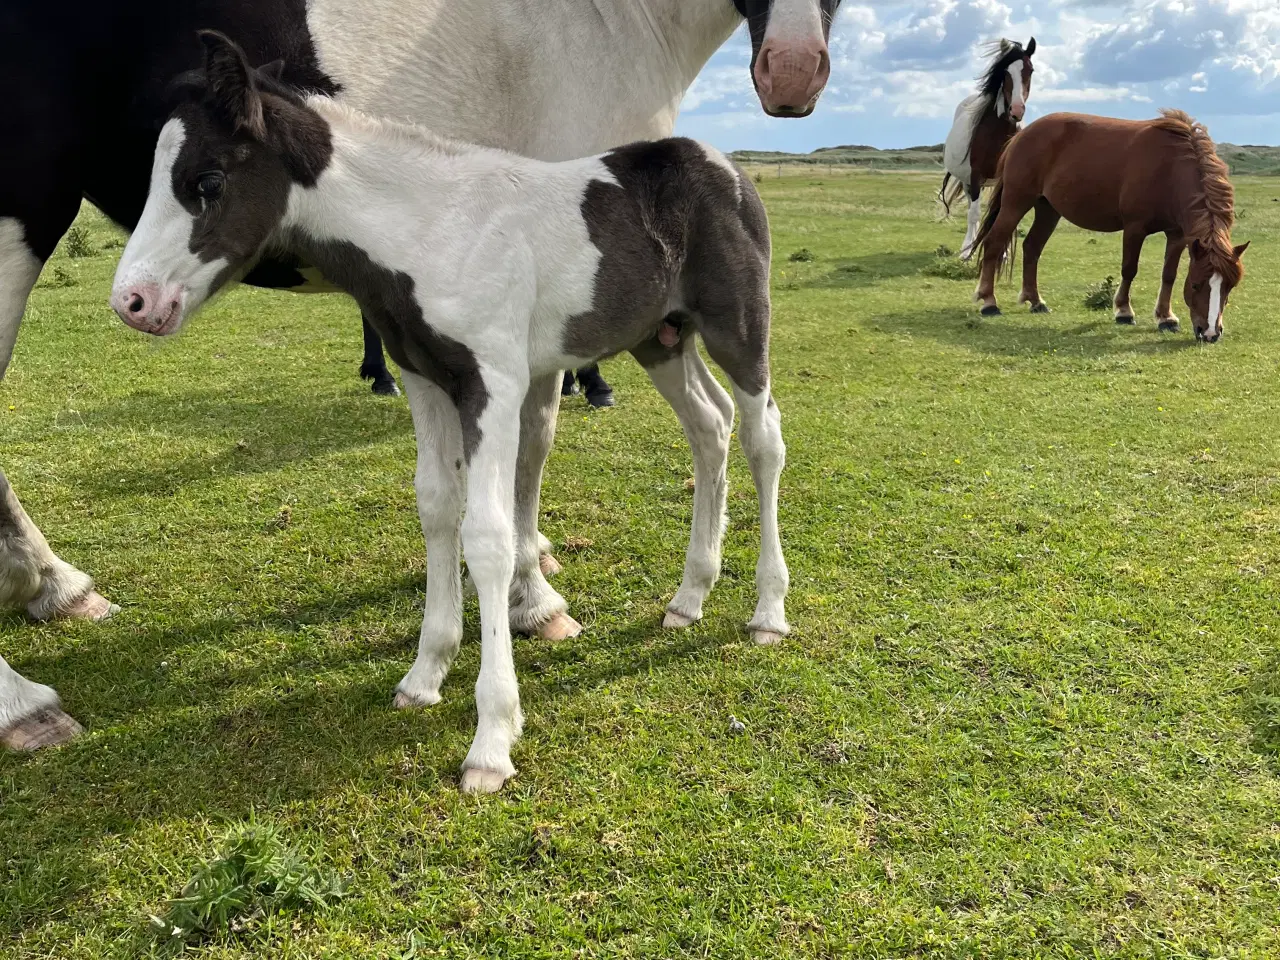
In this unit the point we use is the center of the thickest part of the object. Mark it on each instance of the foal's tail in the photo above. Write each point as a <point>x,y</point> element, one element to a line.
<point>949,195</point>
<point>1010,253</point>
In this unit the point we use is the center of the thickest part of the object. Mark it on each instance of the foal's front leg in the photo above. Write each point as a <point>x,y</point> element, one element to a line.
<point>438,484</point>
<point>488,542</point>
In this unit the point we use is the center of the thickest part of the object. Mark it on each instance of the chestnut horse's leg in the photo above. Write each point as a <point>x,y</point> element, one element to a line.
<point>1133,237</point>
<point>1174,244</point>
<point>1009,211</point>
<point>1045,223</point>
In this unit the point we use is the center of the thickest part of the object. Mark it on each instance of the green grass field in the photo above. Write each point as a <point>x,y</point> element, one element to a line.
<point>1030,707</point>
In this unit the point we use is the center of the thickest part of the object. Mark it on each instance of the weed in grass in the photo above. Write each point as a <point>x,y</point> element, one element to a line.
<point>1101,296</point>
<point>948,267</point>
<point>943,251</point>
<point>77,244</point>
<point>803,255</point>
<point>57,277</point>
<point>257,874</point>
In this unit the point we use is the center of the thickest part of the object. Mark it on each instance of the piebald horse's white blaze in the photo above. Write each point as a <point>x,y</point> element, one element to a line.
<point>1214,319</point>
<point>1019,92</point>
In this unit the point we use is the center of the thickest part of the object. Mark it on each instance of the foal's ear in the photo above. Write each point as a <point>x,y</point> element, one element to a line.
<point>1031,47</point>
<point>231,82</point>
<point>1238,252</point>
<point>273,70</point>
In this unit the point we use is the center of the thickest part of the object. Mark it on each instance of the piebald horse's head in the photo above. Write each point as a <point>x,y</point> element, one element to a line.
<point>1211,277</point>
<point>1008,79</point>
<point>790,63</point>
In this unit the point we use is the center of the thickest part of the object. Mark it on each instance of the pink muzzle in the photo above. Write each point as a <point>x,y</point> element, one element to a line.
<point>790,76</point>
<point>146,307</point>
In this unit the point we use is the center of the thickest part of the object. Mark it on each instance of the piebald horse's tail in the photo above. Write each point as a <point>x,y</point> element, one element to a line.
<point>1010,253</point>
<point>949,195</point>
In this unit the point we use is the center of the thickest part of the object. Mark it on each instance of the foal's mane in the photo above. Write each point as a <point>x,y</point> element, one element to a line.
<point>1214,210</point>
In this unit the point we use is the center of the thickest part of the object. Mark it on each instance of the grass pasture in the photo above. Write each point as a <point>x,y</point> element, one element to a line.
<point>1030,707</point>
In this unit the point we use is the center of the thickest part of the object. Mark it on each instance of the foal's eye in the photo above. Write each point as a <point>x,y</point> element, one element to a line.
<point>210,185</point>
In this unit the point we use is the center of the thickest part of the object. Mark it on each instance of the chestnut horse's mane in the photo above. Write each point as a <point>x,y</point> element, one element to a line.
<point>1215,212</point>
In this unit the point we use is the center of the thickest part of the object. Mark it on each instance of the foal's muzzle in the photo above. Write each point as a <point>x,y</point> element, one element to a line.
<point>149,307</point>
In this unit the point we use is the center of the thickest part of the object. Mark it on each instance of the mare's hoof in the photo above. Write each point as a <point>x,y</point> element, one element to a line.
<point>44,728</point>
<point>1169,325</point>
<point>600,398</point>
<point>477,781</point>
<point>385,388</point>
<point>92,606</point>
<point>766,638</point>
<point>1126,321</point>
<point>548,564</point>
<point>560,627</point>
<point>677,621</point>
<point>1040,307</point>
<point>992,311</point>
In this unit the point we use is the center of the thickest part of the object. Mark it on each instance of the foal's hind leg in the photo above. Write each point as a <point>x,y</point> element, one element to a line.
<point>706,414</point>
<point>1046,221</point>
<point>1128,270</point>
<point>1173,246</point>
<point>374,365</point>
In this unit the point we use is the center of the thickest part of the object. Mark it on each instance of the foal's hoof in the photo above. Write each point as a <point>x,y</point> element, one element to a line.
<point>548,564</point>
<point>766,638</point>
<point>1168,325</point>
<point>1126,321</point>
<point>560,627</point>
<point>44,728</point>
<point>414,701</point>
<point>385,388</point>
<point>477,781</point>
<point>92,606</point>
<point>1040,307</point>
<point>677,621</point>
<point>991,311</point>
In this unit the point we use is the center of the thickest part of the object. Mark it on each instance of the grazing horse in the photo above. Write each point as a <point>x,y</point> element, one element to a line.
<point>535,267</point>
<point>555,79</point>
<point>984,123</point>
<point>1136,176</point>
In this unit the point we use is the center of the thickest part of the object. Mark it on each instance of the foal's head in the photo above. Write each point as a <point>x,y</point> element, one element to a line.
<point>225,163</point>
<point>1008,78</point>
<point>790,63</point>
<point>1213,274</point>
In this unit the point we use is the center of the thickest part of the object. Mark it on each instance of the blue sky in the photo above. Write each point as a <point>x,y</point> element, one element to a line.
<point>899,69</point>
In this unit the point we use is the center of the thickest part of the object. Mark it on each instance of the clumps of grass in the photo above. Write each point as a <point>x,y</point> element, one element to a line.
<point>256,875</point>
<point>115,242</point>
<point>947,266</point>
<point>803,255</point>
<point>76,244</point>
<point>58,277</point>
<point>759,177</point>
<point>1100,296</point>
<point>1264,705</point>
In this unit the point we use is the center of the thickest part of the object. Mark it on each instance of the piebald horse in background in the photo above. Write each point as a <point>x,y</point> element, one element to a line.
<point>984,123</point>
<point>1136,176</point>
<point>575,79</point>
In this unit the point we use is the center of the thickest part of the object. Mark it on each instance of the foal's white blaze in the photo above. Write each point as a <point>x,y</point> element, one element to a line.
<point>19,269</point>
<point>158,256</point>
<point>1214,320</point>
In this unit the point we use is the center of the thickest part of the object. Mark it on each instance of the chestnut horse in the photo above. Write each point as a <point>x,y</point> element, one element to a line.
<point>1136,176</point>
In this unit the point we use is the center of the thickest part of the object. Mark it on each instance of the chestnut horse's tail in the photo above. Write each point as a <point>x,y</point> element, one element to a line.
<point>1010,252</point>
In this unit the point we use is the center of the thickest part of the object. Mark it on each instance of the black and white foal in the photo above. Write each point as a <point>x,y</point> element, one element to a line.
<point>482,270</point>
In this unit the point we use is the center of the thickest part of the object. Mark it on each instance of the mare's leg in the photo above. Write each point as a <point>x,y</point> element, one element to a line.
<point>438,484</point>
<point>1046,221</point>
<point>1173,246</point>
<point>598,392</point>
<point>536,608</point>
<point>488,541</point>
<point>31,716</point>
<point>975,216</point>
<point>374,365</point>
<point>706,414</point>
<point>1128,270</point>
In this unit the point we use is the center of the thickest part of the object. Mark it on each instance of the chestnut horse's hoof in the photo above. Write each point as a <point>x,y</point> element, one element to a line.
<point>992,311</point>
<point>1126,321</point>
<point>1040,307</point>
<point>1169,325</point>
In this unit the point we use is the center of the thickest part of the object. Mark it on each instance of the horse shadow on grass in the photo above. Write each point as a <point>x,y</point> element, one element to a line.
<point>296,726</point>
<point>866,271</point>
<point>1019,333</point>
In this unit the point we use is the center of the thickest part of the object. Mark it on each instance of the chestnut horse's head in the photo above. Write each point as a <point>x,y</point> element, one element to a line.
<point>1008,78</point>
<point>790,63</point>
<point>1213,274</point>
